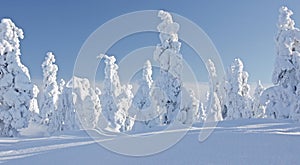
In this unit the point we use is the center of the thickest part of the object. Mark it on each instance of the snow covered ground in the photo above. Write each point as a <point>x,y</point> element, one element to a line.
<point>255,141</point>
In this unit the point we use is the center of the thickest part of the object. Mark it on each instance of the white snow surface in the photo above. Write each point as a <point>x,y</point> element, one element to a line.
<point>246,141</point>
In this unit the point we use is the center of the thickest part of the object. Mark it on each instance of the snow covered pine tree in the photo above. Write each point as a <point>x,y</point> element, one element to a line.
<point>238,101</point>
<point>15,84</point>
<point>167,92</point>
<point>50,92</point>
<point>65,107</point>
<point>283,98</point>
<point>258,108</point>
<point>116,99</point>
<point>214,110</point>
<point>87,103</point>
<point>142,104</point>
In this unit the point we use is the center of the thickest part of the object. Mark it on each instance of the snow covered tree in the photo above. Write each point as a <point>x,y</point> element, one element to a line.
<point>277,101</point>
<point>34,107</point>
<point>65,108</point>
<point>214,111</point>
<point>116,99</point>
<point>142,104</point>
<point>50,91</point>
<point>287,56</point>
<point>238,101</point>
<point>282,98</point>
<point>167,92</point>
<point>201,114</point>
<point>188,107</point>
<point>16,89</point>
<point>142,98</point>
<point>258,108</point>
<point>87,104</point>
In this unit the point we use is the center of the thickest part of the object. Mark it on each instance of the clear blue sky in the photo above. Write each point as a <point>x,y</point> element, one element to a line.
<point>244,29</point>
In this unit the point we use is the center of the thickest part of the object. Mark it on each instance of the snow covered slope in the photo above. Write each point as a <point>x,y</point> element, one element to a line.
<point>255,141</point>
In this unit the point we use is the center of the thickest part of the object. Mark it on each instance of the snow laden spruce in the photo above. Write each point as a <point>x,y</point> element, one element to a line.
<point>115,98</point>
<point>50,92</point>
<point>168,85</point>
<point>16,89</point>
<point>238,99</point>
<point>57,112</point>
<point>282,100</point>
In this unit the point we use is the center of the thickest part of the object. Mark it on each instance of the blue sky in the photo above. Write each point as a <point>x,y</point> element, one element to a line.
<point>244,29</point>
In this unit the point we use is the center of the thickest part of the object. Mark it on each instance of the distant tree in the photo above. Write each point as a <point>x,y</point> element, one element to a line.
<point>34,107</point>
<point>201,114</point>
<point>258,108</point>
<point>214,111</point>
<point>16,89</point>
<point>50,91</point>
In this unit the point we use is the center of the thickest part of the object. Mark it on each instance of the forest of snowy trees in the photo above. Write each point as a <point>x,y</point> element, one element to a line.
<point>158,101</point>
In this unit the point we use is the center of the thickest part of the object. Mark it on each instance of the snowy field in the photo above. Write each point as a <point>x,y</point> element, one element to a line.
<point>255,141</point>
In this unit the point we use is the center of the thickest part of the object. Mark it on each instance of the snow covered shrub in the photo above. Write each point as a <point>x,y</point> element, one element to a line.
<point>282,99</point>
<point>167,92</point>
<point>115,98</point>
<point>238,101</point>
<point>16,89</point>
